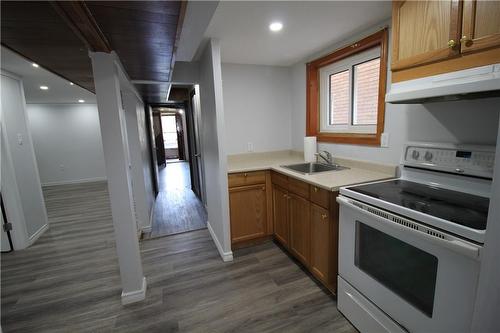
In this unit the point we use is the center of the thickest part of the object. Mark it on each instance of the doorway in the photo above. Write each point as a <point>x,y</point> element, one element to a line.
<point>179,204</point>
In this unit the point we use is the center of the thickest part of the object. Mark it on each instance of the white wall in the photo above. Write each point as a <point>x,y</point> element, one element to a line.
<point>213,149</point>
<point>19,148</point>
<point>67,141</point>
<point>257,104</point>
<point>473,121</point>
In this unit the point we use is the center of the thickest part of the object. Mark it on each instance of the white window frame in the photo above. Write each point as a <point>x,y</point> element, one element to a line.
<point>324,92</point>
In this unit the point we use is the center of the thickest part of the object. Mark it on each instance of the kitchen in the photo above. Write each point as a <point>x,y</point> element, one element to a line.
<point>348,159</point>
<point>437,138</point>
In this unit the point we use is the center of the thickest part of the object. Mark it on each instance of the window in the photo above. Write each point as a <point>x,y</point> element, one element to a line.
<point>346,90</point>
<point>169,127</point>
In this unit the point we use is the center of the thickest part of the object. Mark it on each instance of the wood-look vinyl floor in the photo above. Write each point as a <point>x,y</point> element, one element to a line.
<point>68,281</point>
<point>177,208</point>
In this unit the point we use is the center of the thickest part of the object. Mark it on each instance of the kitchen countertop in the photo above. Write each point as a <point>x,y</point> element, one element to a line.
<point>358,172</point>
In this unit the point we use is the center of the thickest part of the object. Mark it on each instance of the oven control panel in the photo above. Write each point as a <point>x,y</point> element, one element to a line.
<point>459,159</point>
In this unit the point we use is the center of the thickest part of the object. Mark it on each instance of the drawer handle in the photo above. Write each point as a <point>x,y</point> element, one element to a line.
<point>245,174</point>
<point>324,216</point>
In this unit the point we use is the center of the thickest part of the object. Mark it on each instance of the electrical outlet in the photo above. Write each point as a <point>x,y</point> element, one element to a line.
<point>61,167</point>
<point>20,139</point>
<point>250,147</point>
<point>384,140</point>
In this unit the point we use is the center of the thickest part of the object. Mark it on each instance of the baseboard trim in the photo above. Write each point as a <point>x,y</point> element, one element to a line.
<point>149,227</point>
<point>226,256</point>
<point>136,295</point>
<point>76,181</point>
<point>32,239</point>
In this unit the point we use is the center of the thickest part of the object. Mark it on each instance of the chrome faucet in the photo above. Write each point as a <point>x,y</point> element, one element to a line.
<point>326,156</point>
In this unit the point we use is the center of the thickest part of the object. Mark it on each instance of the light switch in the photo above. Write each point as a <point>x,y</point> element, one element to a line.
<point>19,139</point>
<point>250,147</point>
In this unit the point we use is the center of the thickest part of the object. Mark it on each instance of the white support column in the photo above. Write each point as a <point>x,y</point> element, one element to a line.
<point>139,191</point>
<point>116,158</point>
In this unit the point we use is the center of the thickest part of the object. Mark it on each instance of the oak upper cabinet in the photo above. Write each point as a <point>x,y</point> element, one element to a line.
<point>300,227</point>
<point>280,215</point>
<point>248,211</point>
<point>436,37</point>
<point>481,25</point>
<point>424,32</point>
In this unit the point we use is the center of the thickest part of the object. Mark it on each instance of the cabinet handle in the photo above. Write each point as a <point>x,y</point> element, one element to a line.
<point>245,174</point>
<point>324,216</point>
<point>452,44</point>
<point>315,189</point>
<point>465,40</point>
<point>263,188</point>
<point>284,195</point>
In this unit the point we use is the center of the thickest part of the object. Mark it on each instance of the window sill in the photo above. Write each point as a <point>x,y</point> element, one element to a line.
<point>349,138</point>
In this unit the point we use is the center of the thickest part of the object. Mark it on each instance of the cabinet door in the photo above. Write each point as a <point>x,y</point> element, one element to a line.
<point>300,227</point>
<point>321,238</point>
<point>248,212</point>
<point>424,32</point>
<point>481,25</point>
<point>280,215</point>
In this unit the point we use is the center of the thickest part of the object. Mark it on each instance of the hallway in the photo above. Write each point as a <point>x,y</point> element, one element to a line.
<point>177,208</point>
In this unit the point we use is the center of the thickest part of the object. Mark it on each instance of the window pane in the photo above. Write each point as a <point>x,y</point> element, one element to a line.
<point>339,98</point>
<point>366,78</point>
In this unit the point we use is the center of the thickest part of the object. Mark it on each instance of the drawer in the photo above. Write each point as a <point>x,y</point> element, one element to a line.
<point>320,197</point>
<point>298,187</point>
<point>246,178</point>
<point>279,179</point>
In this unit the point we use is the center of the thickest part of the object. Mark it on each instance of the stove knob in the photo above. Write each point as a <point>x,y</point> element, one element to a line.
<point>415,154</point>
<point>428,156</point>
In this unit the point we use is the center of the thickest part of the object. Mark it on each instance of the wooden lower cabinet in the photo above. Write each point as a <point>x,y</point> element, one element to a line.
<point>248,208</point>
<point>306,224</point>
<point>323,261</point>
<point>280,215</point>
<point>299,217</point>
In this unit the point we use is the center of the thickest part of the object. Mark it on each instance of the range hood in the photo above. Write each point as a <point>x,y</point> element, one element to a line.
<point>478,82</point>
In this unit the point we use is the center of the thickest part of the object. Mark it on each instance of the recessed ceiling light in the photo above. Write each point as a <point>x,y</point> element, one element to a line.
<point>71,84</point>
<point>34,65</point>
<point>81,101</point>
<point>44,87</point>
<point>276,26</point>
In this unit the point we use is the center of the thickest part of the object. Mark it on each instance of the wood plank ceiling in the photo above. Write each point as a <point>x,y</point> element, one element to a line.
<point>58,35</point>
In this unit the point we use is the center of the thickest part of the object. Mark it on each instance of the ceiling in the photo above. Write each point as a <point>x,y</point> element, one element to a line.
<point>308,26</point>
<point>59,34</point>
<point>60,91</point>
<point>35,30</point>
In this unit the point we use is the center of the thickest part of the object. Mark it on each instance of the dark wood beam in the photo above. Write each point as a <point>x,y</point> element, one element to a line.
<point>80,20</point>
<point>180,21</point>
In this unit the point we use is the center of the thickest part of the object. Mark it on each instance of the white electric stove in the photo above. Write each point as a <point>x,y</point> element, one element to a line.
<point>410,248</point>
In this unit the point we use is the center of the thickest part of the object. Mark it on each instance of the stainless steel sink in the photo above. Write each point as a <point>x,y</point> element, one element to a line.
<point>311,168</point>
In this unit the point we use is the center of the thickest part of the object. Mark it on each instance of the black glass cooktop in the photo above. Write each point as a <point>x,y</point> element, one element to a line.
<point>462,208</point>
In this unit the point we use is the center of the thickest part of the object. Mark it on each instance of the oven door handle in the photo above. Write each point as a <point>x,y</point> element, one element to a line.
<point>455,244</point>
